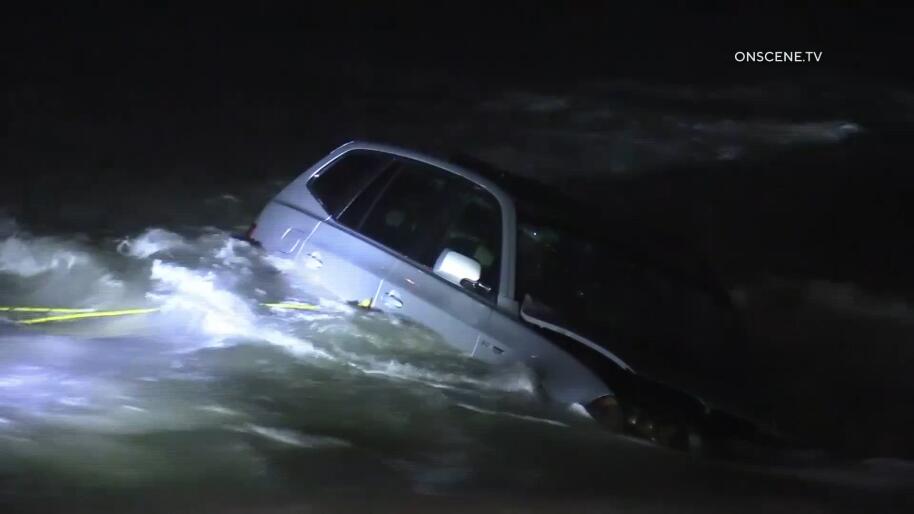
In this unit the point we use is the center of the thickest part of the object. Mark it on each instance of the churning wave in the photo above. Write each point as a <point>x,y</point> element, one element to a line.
<point>211,362</point>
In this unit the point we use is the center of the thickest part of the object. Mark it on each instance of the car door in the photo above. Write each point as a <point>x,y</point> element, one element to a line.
<point>339,259</point>
<point>423,211</point>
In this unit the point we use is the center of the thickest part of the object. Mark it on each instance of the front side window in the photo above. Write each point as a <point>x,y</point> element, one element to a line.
<point>475,231</point>
<point>337,185</point>
<point>419,210</point>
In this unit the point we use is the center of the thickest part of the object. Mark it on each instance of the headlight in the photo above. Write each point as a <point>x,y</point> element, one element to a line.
<point>607,411</point>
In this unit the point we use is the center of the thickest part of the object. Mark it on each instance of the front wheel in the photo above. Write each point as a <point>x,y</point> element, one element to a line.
<point>666,429</point>
<point>700,432</point>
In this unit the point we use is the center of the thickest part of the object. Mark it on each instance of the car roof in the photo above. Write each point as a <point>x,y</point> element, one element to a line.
<point>530,196</point>
<point>520,189</point>
<point>406,153</point>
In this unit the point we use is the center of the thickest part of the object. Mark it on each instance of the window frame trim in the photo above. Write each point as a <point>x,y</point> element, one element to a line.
<point>328,167</point>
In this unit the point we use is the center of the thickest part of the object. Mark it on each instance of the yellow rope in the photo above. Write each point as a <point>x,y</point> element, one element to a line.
<point>42,309</point>
<point>82,315</point>
<point>67,314</point>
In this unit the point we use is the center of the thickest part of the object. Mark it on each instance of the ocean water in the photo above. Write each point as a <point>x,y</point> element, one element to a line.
<point>215,401</point>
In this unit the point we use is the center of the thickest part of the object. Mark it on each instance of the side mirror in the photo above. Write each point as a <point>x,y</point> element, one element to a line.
<point>455,267</point>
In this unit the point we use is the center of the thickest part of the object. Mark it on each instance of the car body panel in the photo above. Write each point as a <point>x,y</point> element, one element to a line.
<point>283,229</point>
<point>552,326</point>
<point>348,266</point>
<point>355,268</point>
<point>422,297</point>
<point>562,378</point>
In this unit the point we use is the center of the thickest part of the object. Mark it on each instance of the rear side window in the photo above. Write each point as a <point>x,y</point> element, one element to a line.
<point>411,212</point>
<point>341,181</point>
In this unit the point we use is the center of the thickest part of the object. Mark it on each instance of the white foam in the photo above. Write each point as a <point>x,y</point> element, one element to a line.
<point>523,417</point>
<point>194,299</point>
<point>293,438</point>
<point>151,242</point>
<point>507,380</point>
<point>228,255</point>
<point>28,258</point>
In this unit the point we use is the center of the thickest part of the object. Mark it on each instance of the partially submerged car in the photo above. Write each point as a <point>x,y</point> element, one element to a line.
<point>502,268</point>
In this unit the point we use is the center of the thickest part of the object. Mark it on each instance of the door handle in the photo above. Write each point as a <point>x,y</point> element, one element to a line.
<point>392,299</point>
<point>314,260</point>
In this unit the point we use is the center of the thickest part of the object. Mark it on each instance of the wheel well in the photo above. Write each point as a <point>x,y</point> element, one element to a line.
<point>630,388</point>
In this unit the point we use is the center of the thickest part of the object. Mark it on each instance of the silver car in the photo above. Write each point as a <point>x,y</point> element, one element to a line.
<point>485,260</point>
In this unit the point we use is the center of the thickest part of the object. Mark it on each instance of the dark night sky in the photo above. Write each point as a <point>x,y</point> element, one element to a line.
<point>584,39</point>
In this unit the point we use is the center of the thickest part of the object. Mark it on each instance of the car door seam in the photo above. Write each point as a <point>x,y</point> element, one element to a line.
<point>377,292</point>
<point>476,345</point>
<point>307,238</point>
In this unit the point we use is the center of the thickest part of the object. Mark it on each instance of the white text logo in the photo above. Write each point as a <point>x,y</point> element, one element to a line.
<point>778,56</point>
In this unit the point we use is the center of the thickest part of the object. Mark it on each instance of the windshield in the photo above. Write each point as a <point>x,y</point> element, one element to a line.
<point>596,290</point>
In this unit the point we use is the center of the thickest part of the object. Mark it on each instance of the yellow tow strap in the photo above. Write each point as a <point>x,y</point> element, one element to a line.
<point>42,309</point>
<point>67,314</point>
<point>82,315</point>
